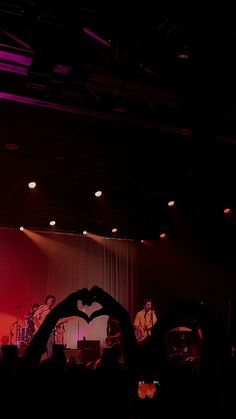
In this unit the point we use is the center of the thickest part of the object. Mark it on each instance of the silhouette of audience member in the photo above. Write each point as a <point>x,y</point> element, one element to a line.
<point>67,308</point>
<point>201,377</point>
<point>183,388</point>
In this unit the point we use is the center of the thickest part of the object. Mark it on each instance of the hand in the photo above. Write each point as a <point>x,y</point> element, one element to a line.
<point>148,326</point>
<point>69,306</point>
<point>110,306</point>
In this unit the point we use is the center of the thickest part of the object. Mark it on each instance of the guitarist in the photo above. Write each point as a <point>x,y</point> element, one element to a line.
<point>144,321</point>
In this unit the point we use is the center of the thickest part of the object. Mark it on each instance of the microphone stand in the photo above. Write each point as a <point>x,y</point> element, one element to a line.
<point>11,334</point>
<point>63,332</point>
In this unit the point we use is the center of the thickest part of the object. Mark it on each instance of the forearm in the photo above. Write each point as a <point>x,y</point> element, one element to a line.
<point>128,339</point>
<point>36,348</point>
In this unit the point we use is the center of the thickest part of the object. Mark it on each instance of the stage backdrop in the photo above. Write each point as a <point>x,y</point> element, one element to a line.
<point>35,264</point>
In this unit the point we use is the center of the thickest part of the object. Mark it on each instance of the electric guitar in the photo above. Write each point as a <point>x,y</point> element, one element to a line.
<point>113,340</point>
<point>142,333</point>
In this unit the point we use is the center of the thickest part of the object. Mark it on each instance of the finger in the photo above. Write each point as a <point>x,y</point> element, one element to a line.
<point>95,291</point>
<point>81,293</point>
<point>83,315</point>
<point>97,313</point>
<point>97,294</point>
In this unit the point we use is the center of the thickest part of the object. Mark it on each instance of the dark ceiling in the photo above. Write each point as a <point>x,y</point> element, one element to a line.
<point>136,100</point>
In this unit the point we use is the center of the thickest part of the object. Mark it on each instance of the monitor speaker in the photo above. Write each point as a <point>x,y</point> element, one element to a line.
<point>90,350</point>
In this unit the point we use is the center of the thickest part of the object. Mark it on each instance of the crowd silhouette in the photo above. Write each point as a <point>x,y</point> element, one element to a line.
<point>186,367</point>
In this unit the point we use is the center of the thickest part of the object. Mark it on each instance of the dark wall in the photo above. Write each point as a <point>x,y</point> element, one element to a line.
<point>184,266</point>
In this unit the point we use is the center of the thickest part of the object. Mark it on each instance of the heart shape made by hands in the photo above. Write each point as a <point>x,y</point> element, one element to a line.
<point>90,298</point>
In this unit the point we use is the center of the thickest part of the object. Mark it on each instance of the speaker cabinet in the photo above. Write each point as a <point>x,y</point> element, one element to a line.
<point>90,350</point>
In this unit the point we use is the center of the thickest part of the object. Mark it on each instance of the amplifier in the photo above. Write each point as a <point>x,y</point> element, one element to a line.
<point>90,350</point>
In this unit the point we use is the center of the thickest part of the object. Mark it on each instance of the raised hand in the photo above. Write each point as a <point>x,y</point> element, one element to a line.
<point>69,306</point>
<point>110,306</point>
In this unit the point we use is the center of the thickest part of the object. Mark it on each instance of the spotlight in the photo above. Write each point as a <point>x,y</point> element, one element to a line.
<point>85,232</point>
<point>32,185</point>
<point>21,228</point>
<point>52,223</point>
<point>227,210</point>
<point>162,235</point>
<point>114,230</point>
<point>171,203</point>
<point>98,194</point>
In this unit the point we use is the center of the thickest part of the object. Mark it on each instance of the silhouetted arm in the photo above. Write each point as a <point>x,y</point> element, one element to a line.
<point>66,308</point>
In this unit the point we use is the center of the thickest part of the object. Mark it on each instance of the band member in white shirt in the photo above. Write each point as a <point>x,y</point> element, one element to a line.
<point>40,315</point>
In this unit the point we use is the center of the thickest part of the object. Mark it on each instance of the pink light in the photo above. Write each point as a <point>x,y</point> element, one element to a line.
<point>17,40</point>
<point>162,235</point>
<point>12,146</point>
<point>97,37</point>
<point>183,56</point>
<point>62,69</point>
<point>171,203</point>
<point>88,112</point>
<point>227,210</point>
<point>15,58</point>
<point>11,68</point>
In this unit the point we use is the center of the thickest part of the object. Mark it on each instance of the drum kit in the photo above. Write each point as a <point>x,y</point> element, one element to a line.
<point>182,346</point>
<point>23,335</point>
<point>23,338</point>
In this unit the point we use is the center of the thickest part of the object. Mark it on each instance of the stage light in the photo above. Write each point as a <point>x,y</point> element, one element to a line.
<point>21,228</point>
<point>84,232</point>
<point>227,210</point>
<point>52,223</point>
<point>97,37</point>
<point>171,203</point>
<point>98,194</point>
<point>32,185</point>
<point>114,230</point>
<point>162,235</point>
